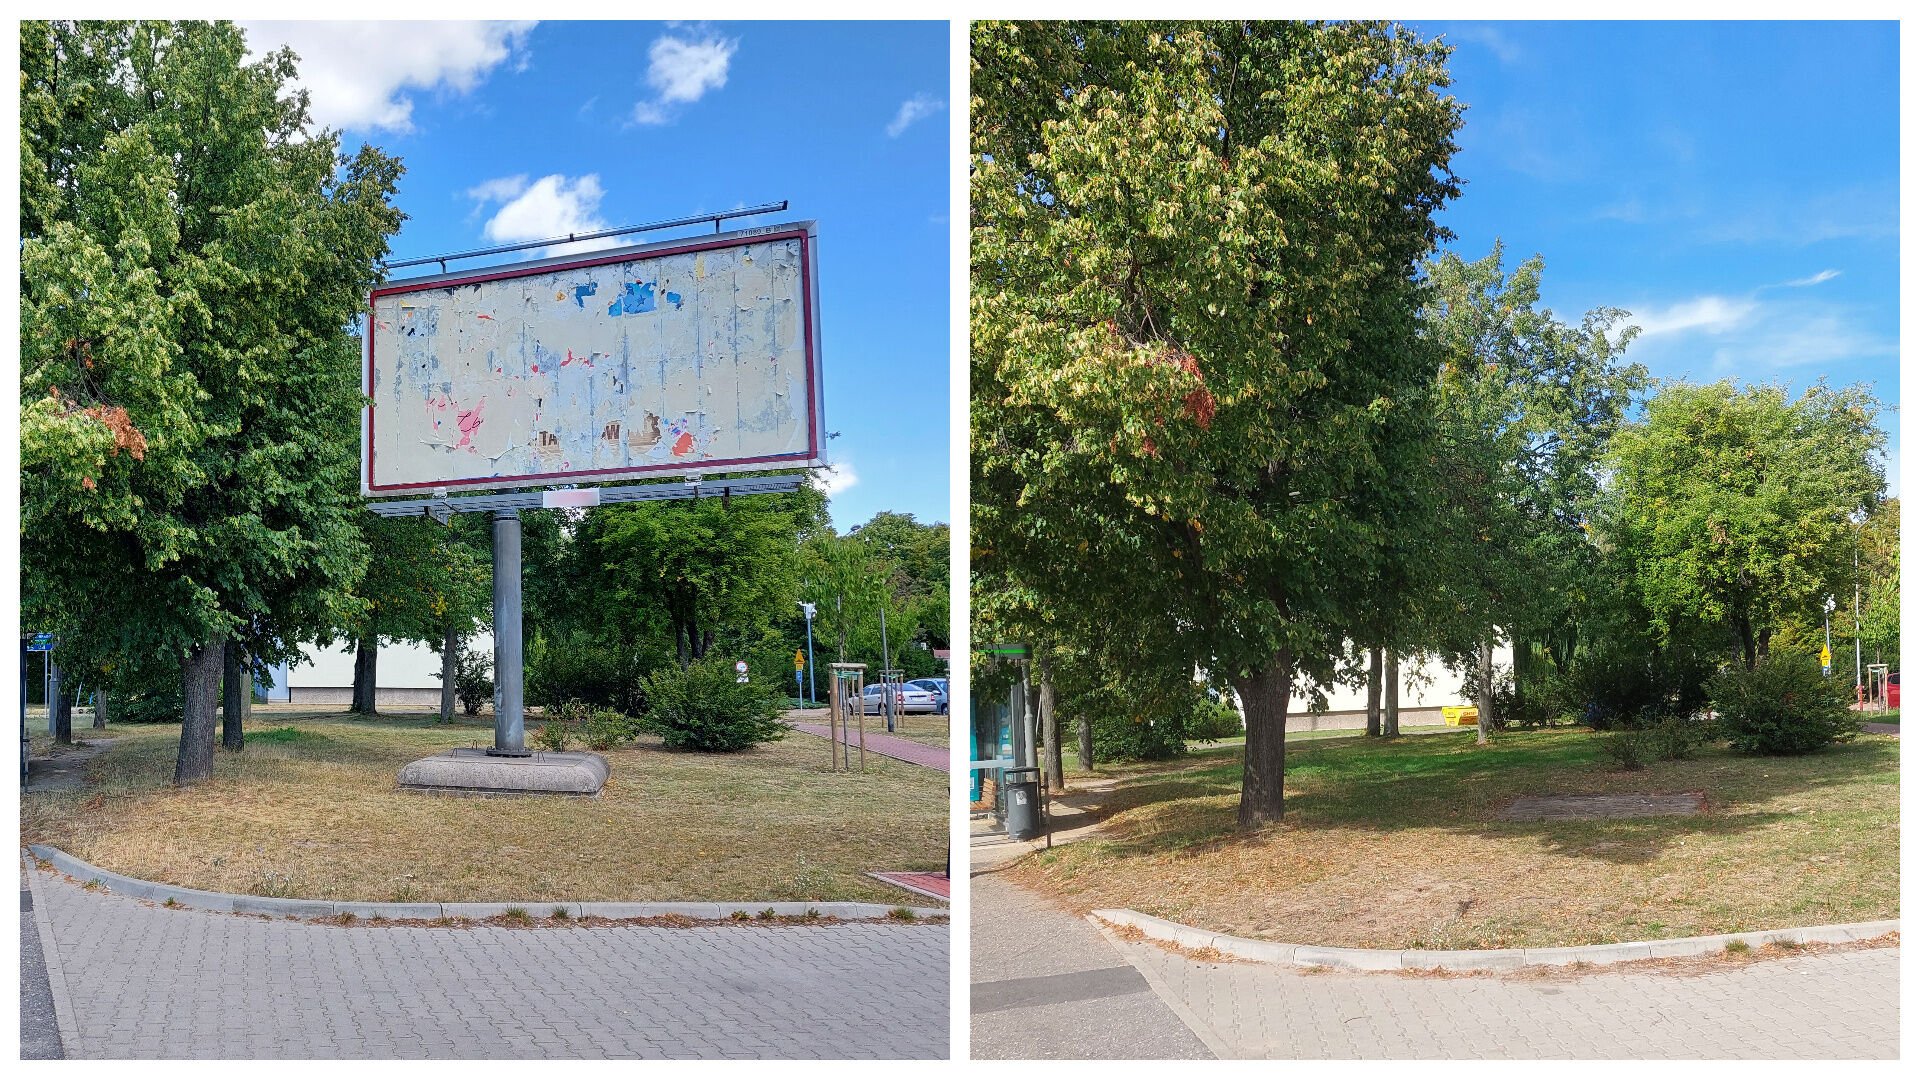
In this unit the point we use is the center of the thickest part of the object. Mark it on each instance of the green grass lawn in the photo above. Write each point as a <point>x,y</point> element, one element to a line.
<point>1397,845</point>
<point>311,808</point>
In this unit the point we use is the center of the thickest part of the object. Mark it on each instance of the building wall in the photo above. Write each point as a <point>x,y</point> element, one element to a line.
<point>407,673</point>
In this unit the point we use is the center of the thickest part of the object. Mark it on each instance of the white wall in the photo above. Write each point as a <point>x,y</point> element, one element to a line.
<point>1427,685</point>
<point>406,665</point>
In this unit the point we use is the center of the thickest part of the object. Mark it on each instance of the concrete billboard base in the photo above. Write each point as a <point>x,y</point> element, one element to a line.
<point>470,770</point>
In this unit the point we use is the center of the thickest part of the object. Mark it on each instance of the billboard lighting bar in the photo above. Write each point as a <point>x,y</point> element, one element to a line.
<point>571,238</point>
<point>441,508</point>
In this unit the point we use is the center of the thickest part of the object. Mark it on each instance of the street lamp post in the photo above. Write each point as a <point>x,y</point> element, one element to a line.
<point>808,609</point>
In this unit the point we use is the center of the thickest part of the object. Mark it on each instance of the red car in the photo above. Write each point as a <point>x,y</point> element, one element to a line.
<point>1893,690</point>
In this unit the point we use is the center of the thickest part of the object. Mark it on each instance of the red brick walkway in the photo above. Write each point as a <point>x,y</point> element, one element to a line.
<point>893,746</point>
<point>934,885</point>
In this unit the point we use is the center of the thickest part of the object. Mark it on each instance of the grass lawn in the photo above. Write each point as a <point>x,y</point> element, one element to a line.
<point>1397,845</point>
<point>311,809</point>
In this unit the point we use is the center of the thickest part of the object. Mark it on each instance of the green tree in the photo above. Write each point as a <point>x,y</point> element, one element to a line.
<point>1195,350</point>
<point>192,255</point>
<point>1527,405</point>
<point>1735,505</point>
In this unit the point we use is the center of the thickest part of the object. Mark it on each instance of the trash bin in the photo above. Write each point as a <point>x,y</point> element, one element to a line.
<point>1023,803</point>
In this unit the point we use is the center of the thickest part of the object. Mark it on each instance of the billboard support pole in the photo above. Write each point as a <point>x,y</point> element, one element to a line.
<point>509,722</point>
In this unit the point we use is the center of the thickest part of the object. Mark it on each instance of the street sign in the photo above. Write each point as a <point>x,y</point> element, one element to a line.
<point>40,643</point>
<point>1826,657</point>
<point>740,670</point>
<point>799,660</point>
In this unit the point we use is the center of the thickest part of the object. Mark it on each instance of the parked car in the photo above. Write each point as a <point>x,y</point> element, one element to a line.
<point>911,699</point>
<point>937,687</point>
<point>1893,690</point>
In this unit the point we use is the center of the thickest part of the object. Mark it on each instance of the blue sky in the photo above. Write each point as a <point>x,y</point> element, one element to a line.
<point>1733,185</point>
<point>521,131</point>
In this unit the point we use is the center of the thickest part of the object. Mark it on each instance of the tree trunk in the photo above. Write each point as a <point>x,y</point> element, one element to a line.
<point>1084,724</point>
<point>449,659</point>
<point>99,710</point>
<point>1522,665</point>
<point>235,696</point>
<point>1485,702</point>
<point>1265,696</point>
<point>62,712</point>
<point>201,675</point>
<point>1744,630</point>
<point>1050,725</point>
<point>1373,690</point>
<point>366,660</point>
<point>1390,679</point>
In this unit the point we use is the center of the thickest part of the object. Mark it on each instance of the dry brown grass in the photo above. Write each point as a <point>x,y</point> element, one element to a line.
<point>1397,846</point>
<point>316,813</point>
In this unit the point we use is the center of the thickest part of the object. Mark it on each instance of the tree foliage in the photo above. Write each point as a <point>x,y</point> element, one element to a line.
<point>1195,348</point>
<point>1736,505</point>
<point>192,255</point>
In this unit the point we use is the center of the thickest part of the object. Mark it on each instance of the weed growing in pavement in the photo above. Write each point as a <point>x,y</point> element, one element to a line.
<point>902,914</point>
<point>561,913</point>
<point>516,915</point>
<point>1738,947</point>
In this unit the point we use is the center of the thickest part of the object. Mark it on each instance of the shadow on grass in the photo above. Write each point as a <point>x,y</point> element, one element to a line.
<point>1449,783</point>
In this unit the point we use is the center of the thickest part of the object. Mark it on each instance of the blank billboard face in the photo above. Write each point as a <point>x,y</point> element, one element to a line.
<point>671,358</point>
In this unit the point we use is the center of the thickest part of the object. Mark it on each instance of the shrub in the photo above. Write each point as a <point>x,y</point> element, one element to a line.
<point>605,729</point>
<point>473,681</point>
<point>1675,738</point>
<point>1636,688</point>
<point>579,666</point>
<point>702,707</point>
<point>1783,706</point>
<point>553,736</point>
<point>1213,721</point>
<point>1626,747</point>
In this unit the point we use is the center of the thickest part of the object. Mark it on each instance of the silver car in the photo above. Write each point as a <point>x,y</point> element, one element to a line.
<point>910,699</point>
<point>936,687</point>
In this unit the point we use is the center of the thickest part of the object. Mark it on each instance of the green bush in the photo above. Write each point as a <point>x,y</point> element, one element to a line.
<point>702,707</point>
<point>1121,736</point>
<point>1675,738</point>
<point>1636,688</point>
<point>1213,721</point>
<point>1627,748</point>
<point>1783,706</point>
<point>473,681</point>
<point>554,735</point>
<point>577,668</point>
<point>605,729</point>
<point>150,692</point>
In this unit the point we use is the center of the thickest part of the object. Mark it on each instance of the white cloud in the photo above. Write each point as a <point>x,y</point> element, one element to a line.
<point>1707,314</point>
<point>498,190</point>
<point>1824,275</point>
<point>551,206</point>
<point>917,107</point>
<point>681,70</point>
<point>648,113</point>
<point>355,73</point>
<point>835,479</point>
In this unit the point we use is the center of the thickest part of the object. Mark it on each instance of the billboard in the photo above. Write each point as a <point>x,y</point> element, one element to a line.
<point>671,358</point>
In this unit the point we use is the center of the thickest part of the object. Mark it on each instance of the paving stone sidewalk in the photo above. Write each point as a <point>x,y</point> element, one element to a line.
<point>147,982</point>
<point>1046,984</point>
<point>893,746</point>
<point>1819,1006</point>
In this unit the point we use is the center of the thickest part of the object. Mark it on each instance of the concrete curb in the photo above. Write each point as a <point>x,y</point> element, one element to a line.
<point>63,1012</point>
<point>199,900</point>
<point>1273,952</point>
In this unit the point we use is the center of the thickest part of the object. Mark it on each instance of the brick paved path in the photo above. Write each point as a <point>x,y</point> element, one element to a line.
<point>1833,1005</point>
<point>146,982</point>
<point>893,746</point>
